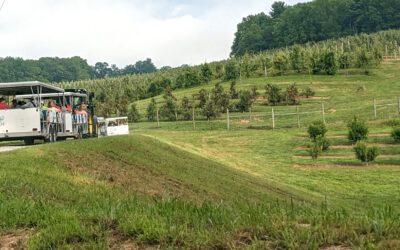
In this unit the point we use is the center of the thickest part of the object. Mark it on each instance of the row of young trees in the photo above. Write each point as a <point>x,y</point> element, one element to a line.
<point>210,104</point>
<point>362,52</point>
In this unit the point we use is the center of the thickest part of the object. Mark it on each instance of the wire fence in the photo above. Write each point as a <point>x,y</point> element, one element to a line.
<point>280,117</point>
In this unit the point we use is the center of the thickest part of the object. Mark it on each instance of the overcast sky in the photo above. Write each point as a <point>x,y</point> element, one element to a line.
<point>171,32</point>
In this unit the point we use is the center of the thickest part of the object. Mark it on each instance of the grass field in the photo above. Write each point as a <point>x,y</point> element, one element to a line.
<point>210,188</point>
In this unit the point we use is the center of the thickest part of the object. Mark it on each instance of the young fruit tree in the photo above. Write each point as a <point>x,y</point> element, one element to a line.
<point>364,153</point>
<point>358,130</point>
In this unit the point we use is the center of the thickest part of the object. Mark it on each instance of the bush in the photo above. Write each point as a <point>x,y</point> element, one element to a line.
<point>396,134</point>
<point>364,153</point>
<point>316,129</point>
<point>133,113</point>
<point>273,94</point>
<point>317,146</point>
<point>308,92</point>
<point>358,130</point>
<point>393,123</point>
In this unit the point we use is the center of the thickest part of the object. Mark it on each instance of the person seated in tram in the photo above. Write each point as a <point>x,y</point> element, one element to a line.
<point>3,104</point>
<point>53,106</point>
<point>81,110</point>
<point>31,104</point>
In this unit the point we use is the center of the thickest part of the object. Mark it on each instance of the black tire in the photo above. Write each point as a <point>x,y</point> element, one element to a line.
<point>29,141</point>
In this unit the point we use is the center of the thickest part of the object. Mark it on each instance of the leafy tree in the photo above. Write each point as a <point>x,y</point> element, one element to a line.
<point>296,58</point>
<point>169,109</point>
<point>101,70</point>
<point>210,110</point>
<point>189,78</point>
<point>280,63</point>
<point>317,128</point>
<point>358,130</point>
<point>203,98</point>
<point>245,101</point>
<point>206,73</point>
<point>396,134</point>
<point>330,65</point>
<point>308,92</point>
<point>364,60</point>
<point>254,92</point>
<point>318,145</point>
<point>365,153</point>
<point>216,94</point>
<point>133,113</point>
<point>152,110</point>
<point>292,93</point>
<point>273,94</point>
<point>345,60</point>
<point>232,90</point>
<point>186,108</point>
<point>277,9</point>
<point>146,66</point>
<point>231,71</point>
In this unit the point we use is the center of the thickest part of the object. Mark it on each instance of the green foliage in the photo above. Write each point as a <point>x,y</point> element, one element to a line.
<point>396,134</point>
<point>273,94</point>
<point>254,92</point>
<point>298,24</point>
<point>308,92</point>
<point>330,65</point>
<point>317,128</point>
<point>169,109</point>
<point>186,108</point>
<point>206,73</point>
<point>393,123</point>
<point>231,71</point>
<point>280,63</point>
<point>245,101</point>
<point>203,96</point>
<point>189,78</point>
<point>210,110</point>
<point>358,130</point>
<point>292,93</point>
<point>318,145</point>
<point>232,90</point>
<point>133,113</point>
<point>365,153</point>
<point>345,60</point>
<point>152,110</point>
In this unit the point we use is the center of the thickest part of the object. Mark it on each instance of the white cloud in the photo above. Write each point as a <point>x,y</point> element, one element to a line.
<point>171,32</point>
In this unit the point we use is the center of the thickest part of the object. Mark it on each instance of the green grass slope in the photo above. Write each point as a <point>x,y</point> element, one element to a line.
<point>137,191</point>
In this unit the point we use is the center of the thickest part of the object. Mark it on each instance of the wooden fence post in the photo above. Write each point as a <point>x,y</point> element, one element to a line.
<point>251,116</point>
<point>323,113</point>
<point>375,111</point>
<point>158,120</point>
<point>298,116</point>
<point>273,119</point>
<point>398,104</point>
<point>227,119</point>
<point>194,121</point>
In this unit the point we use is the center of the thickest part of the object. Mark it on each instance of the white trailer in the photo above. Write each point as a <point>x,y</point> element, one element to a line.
<point>113,126</point>
<point>28,123</point>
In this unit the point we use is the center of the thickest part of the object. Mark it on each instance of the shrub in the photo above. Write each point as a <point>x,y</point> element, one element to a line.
<point>273,94</point>
<point>317,146</point>
<point>396,134</point>
<point>133,113</point>
<point>393,123</point>
<point>308,92</point>
<point>292,92</point>
<point>364,153</point>
<point>358,130</point>
<point>152,110</point>
<point>316,129</point>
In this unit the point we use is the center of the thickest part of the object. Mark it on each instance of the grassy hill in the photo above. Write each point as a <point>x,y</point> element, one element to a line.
<point>250,187</point>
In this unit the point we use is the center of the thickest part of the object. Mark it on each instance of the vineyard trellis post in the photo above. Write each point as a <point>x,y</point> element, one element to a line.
<point>398,105</point>
<point>375,111</point>
<point>193,119</point>
<point>323,112</point>
<point>298,116</point>
<point>251,116</point>
<point>273,119</point>
<point>158,119</point>
<point>227,119</point>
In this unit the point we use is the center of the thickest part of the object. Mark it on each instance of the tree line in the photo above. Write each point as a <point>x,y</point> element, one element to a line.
<point>55,70</point>
<point>312,22</point>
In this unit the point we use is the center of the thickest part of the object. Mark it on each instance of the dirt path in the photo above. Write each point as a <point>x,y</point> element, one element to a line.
<point>4,149</point>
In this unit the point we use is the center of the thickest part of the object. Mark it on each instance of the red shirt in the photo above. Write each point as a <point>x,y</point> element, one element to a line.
<point>4,105</point>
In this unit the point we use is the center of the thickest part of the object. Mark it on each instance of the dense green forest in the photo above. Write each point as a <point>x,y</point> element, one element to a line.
<point>361,52</point>
<point>48,69</point>
<point>313,21</point>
